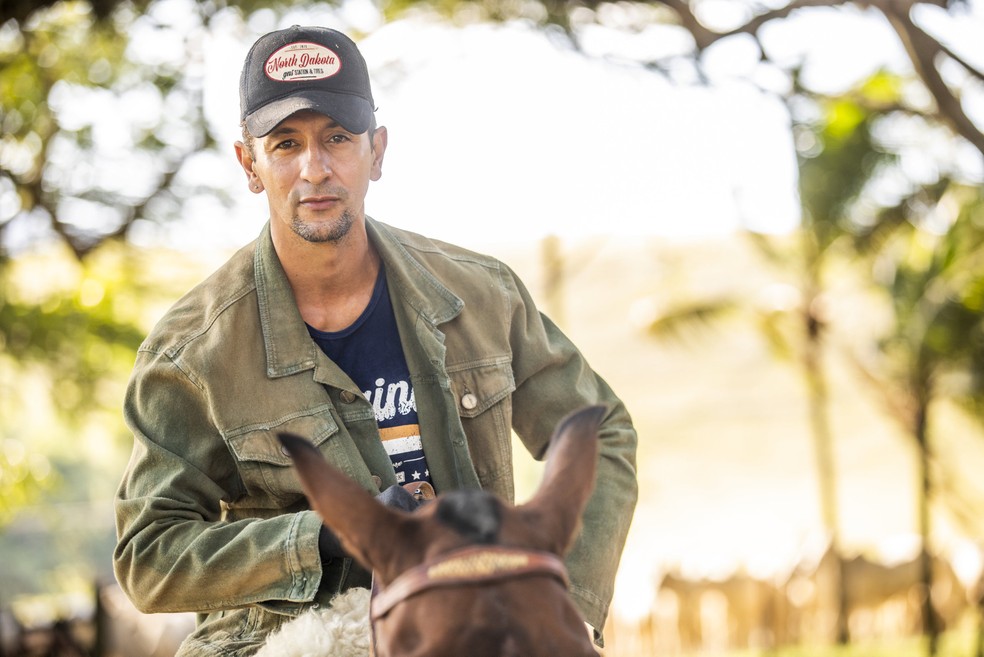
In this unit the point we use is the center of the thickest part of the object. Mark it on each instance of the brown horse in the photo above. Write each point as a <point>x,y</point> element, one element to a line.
<point>468,574</point>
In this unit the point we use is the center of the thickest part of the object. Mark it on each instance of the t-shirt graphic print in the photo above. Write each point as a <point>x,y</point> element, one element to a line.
<point>394,405</point>
<point>407,453</point>
<point>369,351</point>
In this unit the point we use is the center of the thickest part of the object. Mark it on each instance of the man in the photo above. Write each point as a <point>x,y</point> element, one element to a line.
<point>402,358</point>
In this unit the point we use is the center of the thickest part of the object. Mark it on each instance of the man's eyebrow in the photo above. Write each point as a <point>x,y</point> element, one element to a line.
<point>281,130</point>
<point>286,129</point>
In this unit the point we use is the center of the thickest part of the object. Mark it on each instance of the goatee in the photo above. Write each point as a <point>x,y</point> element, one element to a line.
<point>329,231</point>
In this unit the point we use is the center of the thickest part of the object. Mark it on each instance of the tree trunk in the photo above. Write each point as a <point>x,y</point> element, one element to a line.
<point>930,626</point>
<point>816,378</point>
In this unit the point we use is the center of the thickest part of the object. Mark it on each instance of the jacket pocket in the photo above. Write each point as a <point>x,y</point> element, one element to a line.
<point>265,467</point>
<point>483,393</point>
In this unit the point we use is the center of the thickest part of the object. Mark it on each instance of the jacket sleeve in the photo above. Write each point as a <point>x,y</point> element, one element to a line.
<point>553,379</point>
<point>174,552</point>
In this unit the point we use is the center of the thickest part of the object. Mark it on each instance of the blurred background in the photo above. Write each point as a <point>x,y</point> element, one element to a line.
<point>761,221</point>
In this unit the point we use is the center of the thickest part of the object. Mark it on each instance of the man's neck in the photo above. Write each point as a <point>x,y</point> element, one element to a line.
<point>332,281</point>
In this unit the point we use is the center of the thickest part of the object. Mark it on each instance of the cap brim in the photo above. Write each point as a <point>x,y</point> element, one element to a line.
<point>351,112</point>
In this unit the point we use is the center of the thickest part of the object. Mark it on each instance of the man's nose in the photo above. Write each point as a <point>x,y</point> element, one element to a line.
<point>317,164</point>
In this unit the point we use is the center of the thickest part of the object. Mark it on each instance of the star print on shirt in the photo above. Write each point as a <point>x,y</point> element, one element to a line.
<point>406,451</point>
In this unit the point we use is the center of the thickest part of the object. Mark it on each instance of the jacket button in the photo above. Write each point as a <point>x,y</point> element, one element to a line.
<point>469,401</point>
<point>348,396</point>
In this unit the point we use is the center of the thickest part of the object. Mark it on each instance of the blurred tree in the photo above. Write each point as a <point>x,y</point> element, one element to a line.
<point>50,186</point>
<point>70,178</point>
<point>63,173</point>
<point>944,74</point>
<point>931,270</point>
<point>21,10</point>
<point>924,234</point>
<point>834,164</point>
<point>22,477</point>
<point>837,158</point>
<point>922,251</point>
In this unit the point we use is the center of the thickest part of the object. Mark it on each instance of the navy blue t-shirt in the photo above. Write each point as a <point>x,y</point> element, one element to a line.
<point>369,351</point>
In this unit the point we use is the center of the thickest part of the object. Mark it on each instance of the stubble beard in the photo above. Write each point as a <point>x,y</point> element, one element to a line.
<point>322,232</point>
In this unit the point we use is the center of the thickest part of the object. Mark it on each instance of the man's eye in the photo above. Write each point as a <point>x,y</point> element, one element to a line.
<point>339,139</point>
<point>285,144</point>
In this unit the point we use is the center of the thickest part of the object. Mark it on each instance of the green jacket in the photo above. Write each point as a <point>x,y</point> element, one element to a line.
<point>210,516</point>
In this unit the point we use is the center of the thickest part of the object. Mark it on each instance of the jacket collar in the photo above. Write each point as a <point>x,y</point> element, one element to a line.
<point>414,284</point>
<point>289,347</point>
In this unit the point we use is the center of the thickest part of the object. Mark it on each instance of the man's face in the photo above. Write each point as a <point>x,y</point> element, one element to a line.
<point>315,173</point>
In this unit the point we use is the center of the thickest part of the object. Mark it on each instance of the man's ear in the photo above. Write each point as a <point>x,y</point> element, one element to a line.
<point>246,162</point>
<point>379,140</point>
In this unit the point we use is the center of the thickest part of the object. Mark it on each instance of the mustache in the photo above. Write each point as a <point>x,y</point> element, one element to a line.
<point>321,190</point>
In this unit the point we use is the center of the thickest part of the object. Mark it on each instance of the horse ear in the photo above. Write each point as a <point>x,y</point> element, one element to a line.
<point>554,512</point>
<point>366,529</point>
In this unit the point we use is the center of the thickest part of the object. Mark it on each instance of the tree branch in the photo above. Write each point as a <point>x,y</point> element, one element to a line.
<point>705,37</point>
<point>957,58</point>
<point>923,50</point>
<point>755,24</point>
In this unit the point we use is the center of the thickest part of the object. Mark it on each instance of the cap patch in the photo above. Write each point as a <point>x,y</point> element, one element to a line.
<point>302,61</point>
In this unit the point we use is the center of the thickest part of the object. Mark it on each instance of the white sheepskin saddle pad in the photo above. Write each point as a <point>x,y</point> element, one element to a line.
<point>341,630</point>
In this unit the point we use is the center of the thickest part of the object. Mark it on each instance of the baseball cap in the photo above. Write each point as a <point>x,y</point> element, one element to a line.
<point>300,68</point>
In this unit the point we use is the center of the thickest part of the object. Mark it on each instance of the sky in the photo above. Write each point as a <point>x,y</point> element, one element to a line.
<point>538,140</point>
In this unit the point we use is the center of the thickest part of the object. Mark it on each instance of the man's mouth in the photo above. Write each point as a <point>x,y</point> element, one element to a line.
<point>319,202</point>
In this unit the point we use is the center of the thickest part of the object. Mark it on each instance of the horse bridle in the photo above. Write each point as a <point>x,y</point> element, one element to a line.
<point>475,564</point>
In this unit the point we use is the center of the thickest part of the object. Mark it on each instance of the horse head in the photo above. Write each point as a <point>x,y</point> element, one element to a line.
<point>467,574</point>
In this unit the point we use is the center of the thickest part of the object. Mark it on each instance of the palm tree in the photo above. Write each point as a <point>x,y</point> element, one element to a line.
<point>933,282</point>
<point>837,156</point>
